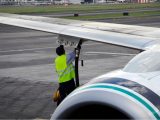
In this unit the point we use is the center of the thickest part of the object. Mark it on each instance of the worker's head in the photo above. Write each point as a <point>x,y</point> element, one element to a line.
<point>60,50</point>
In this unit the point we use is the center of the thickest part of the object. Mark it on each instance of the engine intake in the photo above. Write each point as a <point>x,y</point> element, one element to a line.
<point>93,111</point>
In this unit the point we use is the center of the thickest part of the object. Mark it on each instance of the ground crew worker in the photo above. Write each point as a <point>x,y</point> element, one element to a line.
<point>65,71</point>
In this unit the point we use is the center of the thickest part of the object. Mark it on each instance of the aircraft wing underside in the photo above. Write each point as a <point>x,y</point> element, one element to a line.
<point>132,36</point>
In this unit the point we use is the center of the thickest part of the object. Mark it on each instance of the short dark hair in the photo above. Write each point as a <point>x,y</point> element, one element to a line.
<point>60,50</point>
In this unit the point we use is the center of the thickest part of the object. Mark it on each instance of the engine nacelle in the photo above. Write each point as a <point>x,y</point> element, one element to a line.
<point>112,98</point>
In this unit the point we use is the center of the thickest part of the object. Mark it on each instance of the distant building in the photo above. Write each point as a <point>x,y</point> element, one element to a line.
<point>143,1</point>
<point>121,1</point>
<point>79,1</point>
<point>68,1</point>
<point>95,1</point>
<point>76,1</point>
<point>14,2</point>
<point>47,2</point>
<point>140,1</point>
<point>88,1</point>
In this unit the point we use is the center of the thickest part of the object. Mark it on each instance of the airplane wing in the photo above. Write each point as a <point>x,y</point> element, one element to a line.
<point>132,36</point>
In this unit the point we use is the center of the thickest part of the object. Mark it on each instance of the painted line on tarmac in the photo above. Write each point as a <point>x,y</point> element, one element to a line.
<point>22,50</point>
<point>110,53</point>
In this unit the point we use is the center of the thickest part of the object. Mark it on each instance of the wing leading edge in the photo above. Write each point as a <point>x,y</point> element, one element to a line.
<point>136,37</point>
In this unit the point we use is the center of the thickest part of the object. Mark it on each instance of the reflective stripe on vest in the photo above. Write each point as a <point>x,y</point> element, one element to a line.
<point>65,72</point>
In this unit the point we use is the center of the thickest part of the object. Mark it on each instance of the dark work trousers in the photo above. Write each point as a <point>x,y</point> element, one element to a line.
<point>65,89</point>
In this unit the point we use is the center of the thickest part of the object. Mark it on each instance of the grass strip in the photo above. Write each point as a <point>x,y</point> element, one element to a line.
<point>73,8</point>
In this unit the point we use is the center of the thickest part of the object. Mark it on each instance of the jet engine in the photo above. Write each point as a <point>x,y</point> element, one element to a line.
<point>110,98</point>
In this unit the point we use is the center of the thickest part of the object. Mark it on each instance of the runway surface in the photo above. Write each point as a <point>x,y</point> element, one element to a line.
<point>27,74</point>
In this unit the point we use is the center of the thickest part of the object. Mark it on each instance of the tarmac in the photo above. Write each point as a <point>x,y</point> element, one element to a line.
<point>27,75</point>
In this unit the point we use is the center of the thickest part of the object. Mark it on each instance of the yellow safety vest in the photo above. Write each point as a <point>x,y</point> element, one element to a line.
<point>65,72</point>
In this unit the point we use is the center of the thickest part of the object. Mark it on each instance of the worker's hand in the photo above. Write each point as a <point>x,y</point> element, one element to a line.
<point>76,50</point>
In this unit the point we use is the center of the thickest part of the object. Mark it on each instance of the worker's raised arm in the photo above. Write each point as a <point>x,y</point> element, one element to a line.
<point>71,57</point>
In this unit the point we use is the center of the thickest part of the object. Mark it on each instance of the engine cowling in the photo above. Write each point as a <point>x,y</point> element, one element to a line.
<point>112,98</point>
